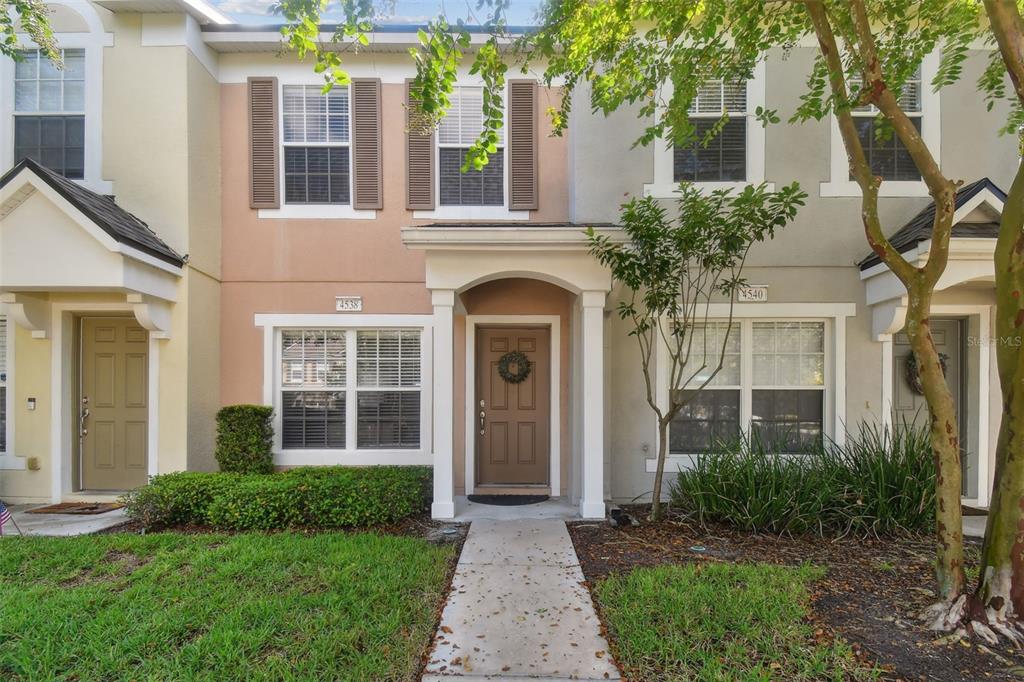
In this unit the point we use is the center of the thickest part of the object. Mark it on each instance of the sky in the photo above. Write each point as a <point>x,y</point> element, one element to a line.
<point>520,13</point>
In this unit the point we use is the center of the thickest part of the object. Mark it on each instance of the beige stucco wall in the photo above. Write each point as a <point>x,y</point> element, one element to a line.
<point>161,153</point>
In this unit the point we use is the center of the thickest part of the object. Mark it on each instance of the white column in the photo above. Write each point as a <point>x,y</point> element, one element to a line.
<point>444,482</point>
<point>592,500</point>
<point>887,379</point>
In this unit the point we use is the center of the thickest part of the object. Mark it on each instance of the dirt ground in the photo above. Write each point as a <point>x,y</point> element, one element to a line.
<point>870,596</point>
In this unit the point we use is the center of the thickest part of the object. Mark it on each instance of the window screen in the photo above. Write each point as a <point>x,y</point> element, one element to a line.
<point>388,388</point>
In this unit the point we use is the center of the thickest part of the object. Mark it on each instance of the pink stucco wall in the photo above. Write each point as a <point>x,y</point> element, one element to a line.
<point>299,266</point>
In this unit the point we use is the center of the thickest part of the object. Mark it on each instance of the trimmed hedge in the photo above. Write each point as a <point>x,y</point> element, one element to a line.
<point>245,438</point>
<point>320,497</point>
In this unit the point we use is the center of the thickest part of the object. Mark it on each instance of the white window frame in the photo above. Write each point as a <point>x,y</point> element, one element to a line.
<point>314,211</point>
<point>8,459</point>
<point>93,42</point>
<point>274,324</point>
<point>471,212</point>
<point>665,186</point>
<point>840,184</point>
<point>833,315</point>
<point>54,113</point>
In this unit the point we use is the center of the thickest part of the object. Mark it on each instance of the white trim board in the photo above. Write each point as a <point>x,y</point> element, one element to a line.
<point>9,458</point>
<point>555,448</point>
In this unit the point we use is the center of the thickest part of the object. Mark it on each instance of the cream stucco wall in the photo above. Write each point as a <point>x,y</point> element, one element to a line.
<point>161,155</point>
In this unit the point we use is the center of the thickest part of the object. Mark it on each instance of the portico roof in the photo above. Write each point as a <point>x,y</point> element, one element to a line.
<point>102,210</point>
<point>919,228</point>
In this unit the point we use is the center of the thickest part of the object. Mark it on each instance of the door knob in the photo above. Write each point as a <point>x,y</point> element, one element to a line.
<point>483,415</point>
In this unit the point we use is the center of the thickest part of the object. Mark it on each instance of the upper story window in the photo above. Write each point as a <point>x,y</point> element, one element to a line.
<point>724,157</point>
<point>49,111</point>
<point>734,155</point>
<point>459,129</point>
<point>772,384</point>
<point>316,139</point>
<point>889,158</point>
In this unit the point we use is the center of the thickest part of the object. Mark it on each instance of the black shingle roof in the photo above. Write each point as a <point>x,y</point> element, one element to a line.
<point>102,210</point>
<point>919,228</point>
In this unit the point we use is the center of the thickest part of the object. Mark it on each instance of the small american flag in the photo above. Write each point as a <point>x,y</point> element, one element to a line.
<point>5,516</point>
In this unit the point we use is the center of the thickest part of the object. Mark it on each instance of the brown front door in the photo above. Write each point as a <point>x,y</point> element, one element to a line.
<point>513,420</point>
<point>113,408</point>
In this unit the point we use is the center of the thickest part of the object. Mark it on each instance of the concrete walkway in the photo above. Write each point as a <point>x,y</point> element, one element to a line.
<point>518,609</point>
<point>61,525</point>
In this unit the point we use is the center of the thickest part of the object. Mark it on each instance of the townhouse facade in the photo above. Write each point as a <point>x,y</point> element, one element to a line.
<point>267,243</point>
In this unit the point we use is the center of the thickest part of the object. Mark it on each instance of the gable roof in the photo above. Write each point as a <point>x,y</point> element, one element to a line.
<point>919,229</point>
<point>121,225</point>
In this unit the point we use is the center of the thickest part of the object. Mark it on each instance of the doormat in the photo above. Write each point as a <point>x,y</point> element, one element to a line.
<point>79,508</point>
<point>507,500</point>
<point>974,511</point>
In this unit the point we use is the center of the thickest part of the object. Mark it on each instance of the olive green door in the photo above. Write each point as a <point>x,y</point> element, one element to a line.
<point>113,410</point>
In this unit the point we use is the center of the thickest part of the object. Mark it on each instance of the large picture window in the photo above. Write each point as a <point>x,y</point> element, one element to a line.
<point>723,158</point>
<point>459,129</point>
<point>49,111</point>
<point>316,138</point>
<point>344,389</point>
<point>772,385</point>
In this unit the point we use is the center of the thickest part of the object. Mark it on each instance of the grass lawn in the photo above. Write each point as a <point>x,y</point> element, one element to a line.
<point>718,622</point>
<point>212,607</point>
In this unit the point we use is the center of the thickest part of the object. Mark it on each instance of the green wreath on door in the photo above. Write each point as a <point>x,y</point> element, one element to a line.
<point>514,367</point>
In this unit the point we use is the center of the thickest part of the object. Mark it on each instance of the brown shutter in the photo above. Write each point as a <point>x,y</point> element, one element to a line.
<point>419,156</point>
<point>522,145</point>
<point>368,175</point>
<point>263,187</point>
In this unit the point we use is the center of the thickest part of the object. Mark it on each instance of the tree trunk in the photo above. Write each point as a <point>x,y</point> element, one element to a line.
<point>657,508</point>
<point>945,442</point>
<point>1001,575</point>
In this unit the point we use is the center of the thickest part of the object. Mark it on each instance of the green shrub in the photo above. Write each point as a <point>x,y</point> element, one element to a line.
<point>245,436</point>
<point>311,497</point>
<point>177,499</point>
<point>879,482</point>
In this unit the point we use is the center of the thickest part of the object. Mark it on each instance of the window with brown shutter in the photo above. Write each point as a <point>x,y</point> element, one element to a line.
<point>419,156</point>
<point>368,177</point>
<point>263,168</point>
<point>522,145</point>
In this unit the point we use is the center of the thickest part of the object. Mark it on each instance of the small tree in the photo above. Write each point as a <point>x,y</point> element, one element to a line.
<point>673,270</point>
<point>31,17</point>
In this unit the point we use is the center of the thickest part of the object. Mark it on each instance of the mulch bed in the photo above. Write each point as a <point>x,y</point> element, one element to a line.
<point>871,595</point>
